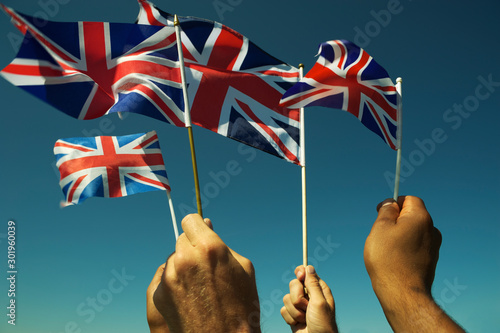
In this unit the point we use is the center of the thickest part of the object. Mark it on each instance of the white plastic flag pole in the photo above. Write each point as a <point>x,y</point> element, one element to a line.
<point>174,220</point>
<point>303,170</point>
<point>399,137</point>
<point>187,115</point>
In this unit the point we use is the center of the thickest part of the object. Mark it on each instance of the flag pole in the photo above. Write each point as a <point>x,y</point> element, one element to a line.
<point>187,115</point>
<point>399,137</point>
<point>174,220</point>
<point>303,171</point>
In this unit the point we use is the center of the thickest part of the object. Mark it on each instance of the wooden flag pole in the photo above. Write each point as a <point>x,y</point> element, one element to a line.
<point>187,115</point>
<point>303,170</point>
<point>174,220</point>
<point>399,137</point>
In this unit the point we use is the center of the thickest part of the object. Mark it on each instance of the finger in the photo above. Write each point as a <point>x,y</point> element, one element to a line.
<point>401,200</point>
<point>244,262</point>
<point>156,278</point>
<point>154,285</point>
<point>414,206</point>
<point>287,317</point>
<point>383,203</point>
<point>300,273</point>
<point>312,283</point>
<point>170,275</point>
<point>161,293</point>
<point>438,238</point>
<point>388,213</point>
<point>208,222</point>
<point>414,214</point>
<point>297,315</point>
<point>297,295</point>
<point>327,293</point>
<point>183,244</point>
<point>196,229</point>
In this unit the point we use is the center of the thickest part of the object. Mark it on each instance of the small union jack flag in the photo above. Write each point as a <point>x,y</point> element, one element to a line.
<point>110,166</point>
<point>89,69</point>
<point>346,77</point>
<point>234,87</point>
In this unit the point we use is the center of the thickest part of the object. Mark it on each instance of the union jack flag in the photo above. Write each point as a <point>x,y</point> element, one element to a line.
<point>89,69</point>
<point>110,166</point>
<point>234,87</point>
<point>346,77</point>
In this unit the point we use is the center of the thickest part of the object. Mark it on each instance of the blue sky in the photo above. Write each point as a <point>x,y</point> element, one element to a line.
<point>106,250</point>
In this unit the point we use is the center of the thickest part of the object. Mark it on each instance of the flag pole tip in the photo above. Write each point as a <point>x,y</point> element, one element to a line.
<point>63,204</point>
<point>301,65</point>
<point>176,20</point>
<point>399,80</point>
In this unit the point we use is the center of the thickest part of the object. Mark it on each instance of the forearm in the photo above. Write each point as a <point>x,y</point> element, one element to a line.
<point>216,318</point>
<point>163,329</point>
<point>415,311</point>
<point>215,327</point>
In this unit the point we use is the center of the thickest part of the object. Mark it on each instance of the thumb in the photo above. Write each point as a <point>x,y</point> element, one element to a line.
<point>209,223</point>
<point>312,283</point>
<point>388,213</point>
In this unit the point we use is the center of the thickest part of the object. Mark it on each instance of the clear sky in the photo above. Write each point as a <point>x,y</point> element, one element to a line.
<point>446,53</point>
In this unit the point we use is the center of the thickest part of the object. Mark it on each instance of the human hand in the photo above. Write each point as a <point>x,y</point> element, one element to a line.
<point>206,286</point>
<point>312,313</point>
<point>155,319</point>
<point>402,249</point>
<point>401,254</point>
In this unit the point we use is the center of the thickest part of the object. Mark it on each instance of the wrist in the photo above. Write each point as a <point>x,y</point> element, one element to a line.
<point>414,310</point>
<point>404,288</point>
<point>403,303</point>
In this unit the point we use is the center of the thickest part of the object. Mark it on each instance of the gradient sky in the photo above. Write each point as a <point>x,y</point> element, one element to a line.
<point>444,51</point>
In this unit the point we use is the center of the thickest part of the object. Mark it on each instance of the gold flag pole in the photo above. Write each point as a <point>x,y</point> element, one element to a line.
<point>187,115</point>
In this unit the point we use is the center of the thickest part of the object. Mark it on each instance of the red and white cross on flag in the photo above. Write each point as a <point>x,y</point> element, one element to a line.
<point>110,166</point>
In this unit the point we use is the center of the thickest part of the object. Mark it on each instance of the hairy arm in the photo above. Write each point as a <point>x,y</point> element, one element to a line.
<point>401,254</point>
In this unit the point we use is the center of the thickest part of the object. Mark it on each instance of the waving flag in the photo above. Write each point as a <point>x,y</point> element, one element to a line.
<point>89,69</point>
<point>110,166</point>
<point>234,87</point>
<point>346,77</point>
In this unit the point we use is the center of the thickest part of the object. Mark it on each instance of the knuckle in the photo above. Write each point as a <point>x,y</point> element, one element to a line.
<point>438,236</point>
<point>184,262</point>
<point>296,301</point>
<point>248,266</point>
<point>211,248</point>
